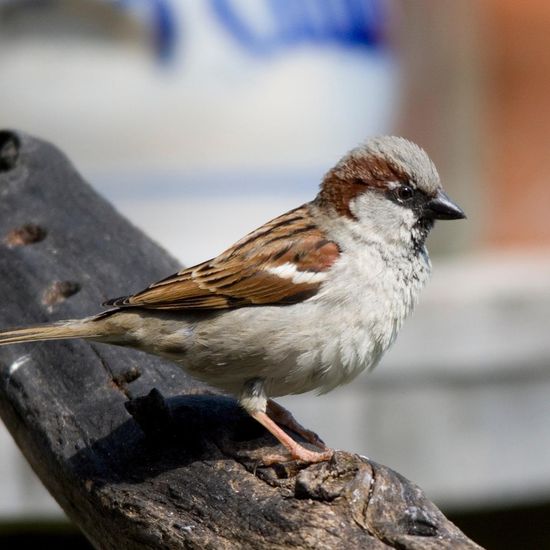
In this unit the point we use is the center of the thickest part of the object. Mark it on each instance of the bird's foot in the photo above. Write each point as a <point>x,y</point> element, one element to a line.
<point>295,450</point>
<point>298,453</point>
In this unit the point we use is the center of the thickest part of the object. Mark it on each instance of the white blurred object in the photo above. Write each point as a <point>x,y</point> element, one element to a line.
<point>99,96</point>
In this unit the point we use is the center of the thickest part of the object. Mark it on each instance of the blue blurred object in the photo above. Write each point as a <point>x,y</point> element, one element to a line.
<point>163,22</point>
<point>349,23</point>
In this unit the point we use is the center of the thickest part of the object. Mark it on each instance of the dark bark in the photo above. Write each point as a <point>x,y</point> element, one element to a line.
<point>138,454</point>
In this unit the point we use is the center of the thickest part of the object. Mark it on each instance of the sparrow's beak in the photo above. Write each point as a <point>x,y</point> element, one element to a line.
<point>441,207</point>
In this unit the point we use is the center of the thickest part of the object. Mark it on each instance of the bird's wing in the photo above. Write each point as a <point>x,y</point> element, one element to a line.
<point>283,262</point>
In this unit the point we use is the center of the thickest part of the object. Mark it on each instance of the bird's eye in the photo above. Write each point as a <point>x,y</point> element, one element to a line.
<point>405,193</point>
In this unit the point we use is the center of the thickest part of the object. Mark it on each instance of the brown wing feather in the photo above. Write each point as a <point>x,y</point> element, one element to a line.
<point>239,277</point>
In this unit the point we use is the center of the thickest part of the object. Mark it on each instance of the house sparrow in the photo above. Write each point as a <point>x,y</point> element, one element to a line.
<point>305,302</point>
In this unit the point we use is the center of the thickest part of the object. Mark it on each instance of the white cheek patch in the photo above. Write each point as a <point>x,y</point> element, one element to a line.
<point>377,218</point>
<point>289,271</point>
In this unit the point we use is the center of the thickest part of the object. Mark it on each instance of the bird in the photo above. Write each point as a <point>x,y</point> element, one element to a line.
<point>306,302</point>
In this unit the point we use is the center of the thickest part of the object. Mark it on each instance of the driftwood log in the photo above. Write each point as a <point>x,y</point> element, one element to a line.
<point>138,454</point>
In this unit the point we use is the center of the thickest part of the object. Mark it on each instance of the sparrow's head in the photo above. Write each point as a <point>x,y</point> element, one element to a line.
<point>390,187</point>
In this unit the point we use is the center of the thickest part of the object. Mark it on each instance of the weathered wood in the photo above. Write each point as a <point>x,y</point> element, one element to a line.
<point>138,454</point>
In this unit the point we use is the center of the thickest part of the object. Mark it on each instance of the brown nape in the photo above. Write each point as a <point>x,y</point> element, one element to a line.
<point>354,176</point>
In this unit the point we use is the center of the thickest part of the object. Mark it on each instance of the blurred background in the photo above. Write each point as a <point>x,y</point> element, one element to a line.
<point>202,119</point>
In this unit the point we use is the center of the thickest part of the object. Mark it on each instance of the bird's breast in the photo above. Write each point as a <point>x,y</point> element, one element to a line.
<point>367,299</point>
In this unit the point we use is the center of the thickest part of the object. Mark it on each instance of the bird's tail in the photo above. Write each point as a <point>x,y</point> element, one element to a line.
<point>77,328</point>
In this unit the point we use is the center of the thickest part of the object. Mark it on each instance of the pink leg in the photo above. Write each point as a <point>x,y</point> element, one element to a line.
<point>297,452</point>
